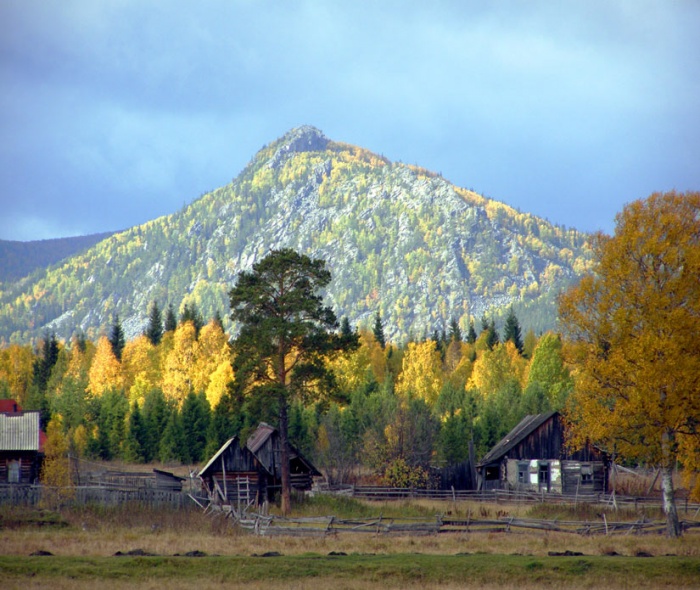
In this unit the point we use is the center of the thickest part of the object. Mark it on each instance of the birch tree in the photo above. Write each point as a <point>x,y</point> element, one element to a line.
<point>633,330</point>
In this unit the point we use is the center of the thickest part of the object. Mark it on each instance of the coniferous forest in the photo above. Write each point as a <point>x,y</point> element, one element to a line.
<point>396,411</point>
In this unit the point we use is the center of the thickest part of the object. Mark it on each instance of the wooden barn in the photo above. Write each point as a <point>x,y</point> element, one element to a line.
<point>252,473</point>
<point>21,446</point>
<point>533,457</point>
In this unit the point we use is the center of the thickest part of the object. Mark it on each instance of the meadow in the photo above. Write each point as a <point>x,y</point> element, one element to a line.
<point>131,546</point>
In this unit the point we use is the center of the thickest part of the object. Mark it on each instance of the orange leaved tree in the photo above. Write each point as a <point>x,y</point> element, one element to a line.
<point>633,329</point>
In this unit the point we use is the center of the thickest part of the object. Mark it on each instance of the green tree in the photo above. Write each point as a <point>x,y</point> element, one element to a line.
<point>154,330</point>
<point>136,437</point>
<point>471,334</point>
<point>190,313</point>
<point>46,359</point>
<point>226,422</point>
<point>155,414</point>
<point>170,322</point>
<point>172,442</point>
<point>455,332</point>
<point>195,417</point>
<point>511,330</point>
<point>378,330</point>
<point>285,336</point>
<point>633,331</point>
<point>116,338</point>
<point>549,373</point>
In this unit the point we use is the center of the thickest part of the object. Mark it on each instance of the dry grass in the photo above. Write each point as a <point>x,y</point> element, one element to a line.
<point>103,532</point>
<point>83,542</point>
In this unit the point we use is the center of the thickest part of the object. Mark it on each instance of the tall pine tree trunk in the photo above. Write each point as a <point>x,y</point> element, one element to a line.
<point>673,528</point>
<point>284,458</point>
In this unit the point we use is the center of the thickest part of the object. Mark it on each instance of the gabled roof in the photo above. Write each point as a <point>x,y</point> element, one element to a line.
<point>253,445</point>
<point>10,406</point>
<point>218,454</point>
<point>525,428</point>
<point>259,437</point>
<point>20,432</point>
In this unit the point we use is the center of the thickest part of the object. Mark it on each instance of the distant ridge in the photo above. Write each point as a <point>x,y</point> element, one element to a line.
<point>20,259</point>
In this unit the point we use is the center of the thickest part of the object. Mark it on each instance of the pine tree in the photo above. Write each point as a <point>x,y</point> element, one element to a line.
<point>286,337</point>
<point>170,323</point>
<point>379,330</point>
<point>511,330</point>
<point>154,330</point>
<point>116,338</point>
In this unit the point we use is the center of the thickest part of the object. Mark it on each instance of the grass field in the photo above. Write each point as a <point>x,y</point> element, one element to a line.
<point>83,544</point>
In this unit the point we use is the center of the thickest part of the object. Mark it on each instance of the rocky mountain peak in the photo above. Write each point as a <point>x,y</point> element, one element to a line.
<point>300,139</point>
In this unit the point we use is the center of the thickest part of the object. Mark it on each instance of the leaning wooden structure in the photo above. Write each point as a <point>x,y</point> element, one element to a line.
<point>244,475</point>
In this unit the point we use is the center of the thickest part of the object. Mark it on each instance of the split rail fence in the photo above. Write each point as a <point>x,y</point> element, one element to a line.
<point>381,493</point>
<point>266,525</point>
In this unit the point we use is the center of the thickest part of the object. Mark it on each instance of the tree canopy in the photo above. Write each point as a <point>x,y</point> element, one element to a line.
<point>633,330</point>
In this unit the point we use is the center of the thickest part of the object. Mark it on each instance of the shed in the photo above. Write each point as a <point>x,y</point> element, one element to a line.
<point>252,473</point>
<point>264,443</point>
<point>21,447</point>
<point>534,457</point>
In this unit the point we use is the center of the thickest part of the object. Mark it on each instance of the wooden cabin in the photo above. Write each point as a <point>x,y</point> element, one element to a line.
<point>234,474</point>
<point>264,443</point>
<point>533,457</point>
<point>21,446</point>
<point>252,473</point>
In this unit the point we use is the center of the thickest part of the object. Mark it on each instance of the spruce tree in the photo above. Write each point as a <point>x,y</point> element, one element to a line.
<point>471,334</point>
<point>218,320</point>
<point>170,319</point>
<point>116,338</point>
<point>511,331</point>
<point>492,340</point>
<point>136,437</point>
<point>195,417</point>
<point>379,330</point>
<point>455,332</point>
<point>172,442</point>
<point>47,357</point>
<point>190,313</point>
<point>155,416</point>
<point>154,330</point>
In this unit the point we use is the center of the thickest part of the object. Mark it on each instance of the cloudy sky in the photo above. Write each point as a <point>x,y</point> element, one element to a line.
<point>116,112</point>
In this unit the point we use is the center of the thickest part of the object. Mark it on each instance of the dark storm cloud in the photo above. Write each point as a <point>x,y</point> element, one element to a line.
<point>117,112</point>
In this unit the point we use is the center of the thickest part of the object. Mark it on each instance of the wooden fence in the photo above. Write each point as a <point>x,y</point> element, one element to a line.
<point>101,495</point>
<point>266,525</point>
<point>383,493</point>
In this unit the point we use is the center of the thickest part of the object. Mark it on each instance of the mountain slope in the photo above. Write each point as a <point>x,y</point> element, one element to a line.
<point>19,259</point>
<point>397,239</point>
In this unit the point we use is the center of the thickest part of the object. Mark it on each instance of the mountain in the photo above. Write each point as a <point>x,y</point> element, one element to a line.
<point>19,259</point>
<point>398,239</point>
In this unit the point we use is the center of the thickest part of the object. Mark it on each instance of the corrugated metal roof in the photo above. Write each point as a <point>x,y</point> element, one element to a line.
<point>524,428</point>
<point>19,432</point>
